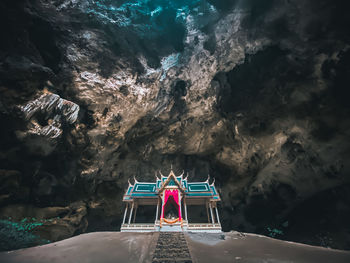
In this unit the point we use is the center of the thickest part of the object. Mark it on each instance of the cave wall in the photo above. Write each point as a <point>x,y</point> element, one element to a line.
<point>253,93</point>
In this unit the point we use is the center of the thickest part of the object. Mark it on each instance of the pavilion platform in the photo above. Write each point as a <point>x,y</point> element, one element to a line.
<point>176,227</point>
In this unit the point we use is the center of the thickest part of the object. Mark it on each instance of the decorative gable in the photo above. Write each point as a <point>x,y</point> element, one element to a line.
<point>171,181</point>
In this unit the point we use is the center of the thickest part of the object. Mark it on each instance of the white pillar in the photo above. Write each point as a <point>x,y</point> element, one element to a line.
<point>132,208</point>
<point>207,206</point>
<point>180,204</point>
<point>185,205</point>
<point>217,214</point>
<point>136,206</point>
<point>126,210</point>
<point>211,213</point>
<point>157,211</point>
<point>162,211</point>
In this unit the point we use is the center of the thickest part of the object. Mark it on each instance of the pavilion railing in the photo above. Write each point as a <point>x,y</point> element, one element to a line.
<point>203,226</point>
<point>132,226</point>
<point>156,225</point>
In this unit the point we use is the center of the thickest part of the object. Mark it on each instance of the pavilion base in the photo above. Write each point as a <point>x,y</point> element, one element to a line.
<point>186,227</point>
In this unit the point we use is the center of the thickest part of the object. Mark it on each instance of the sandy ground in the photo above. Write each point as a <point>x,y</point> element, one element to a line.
<point>105,247</point>
<point>99,247</point>
<point>249,248</point>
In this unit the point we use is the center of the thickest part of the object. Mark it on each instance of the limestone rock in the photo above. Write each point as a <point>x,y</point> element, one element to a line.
<point>52,112</point>
<point>253,93</point>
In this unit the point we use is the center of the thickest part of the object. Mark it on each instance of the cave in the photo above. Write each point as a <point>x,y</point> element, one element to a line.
<point>253,93</point>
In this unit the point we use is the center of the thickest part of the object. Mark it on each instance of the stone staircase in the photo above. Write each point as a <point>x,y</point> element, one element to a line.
<point>172,248</point>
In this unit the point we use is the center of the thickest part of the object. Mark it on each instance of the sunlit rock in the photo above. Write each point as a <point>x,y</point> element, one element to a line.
<point>45,117</point>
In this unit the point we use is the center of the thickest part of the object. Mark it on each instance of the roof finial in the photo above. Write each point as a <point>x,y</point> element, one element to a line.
<point>186,176</point>
<point>135,179</point>
<point>212,184</point>
<point>161,173</point>
<point>182,173</point>
<point>208,178</point>
<point>155,174</point>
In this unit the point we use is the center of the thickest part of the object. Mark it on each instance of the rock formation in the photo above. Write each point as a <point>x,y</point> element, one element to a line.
<point>253,93</point>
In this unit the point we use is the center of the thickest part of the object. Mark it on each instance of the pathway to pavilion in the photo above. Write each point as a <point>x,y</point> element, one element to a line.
<point>172,247</point>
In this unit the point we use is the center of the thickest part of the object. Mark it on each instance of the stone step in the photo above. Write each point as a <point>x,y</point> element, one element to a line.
<point>171,248</point>
<point>177,255</point>
<point>172,260</point>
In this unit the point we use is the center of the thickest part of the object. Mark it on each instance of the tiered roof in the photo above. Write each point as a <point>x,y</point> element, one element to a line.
<point>190,190</point>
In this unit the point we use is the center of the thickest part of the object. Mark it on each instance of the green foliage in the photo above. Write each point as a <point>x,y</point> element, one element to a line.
<point>273,232</point>
<point>14,235</point>
<point>285,224</point>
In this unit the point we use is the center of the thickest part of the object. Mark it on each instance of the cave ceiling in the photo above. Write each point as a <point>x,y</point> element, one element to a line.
<point>254,93</point>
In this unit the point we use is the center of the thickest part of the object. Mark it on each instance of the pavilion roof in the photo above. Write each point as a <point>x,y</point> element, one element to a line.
<point>189,189</point>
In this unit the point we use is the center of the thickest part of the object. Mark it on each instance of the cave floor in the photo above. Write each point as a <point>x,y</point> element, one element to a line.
<point>105,247</point>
